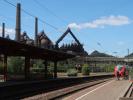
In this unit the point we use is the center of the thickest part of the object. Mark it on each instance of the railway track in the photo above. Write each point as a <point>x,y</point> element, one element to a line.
<point>19,90</point>
<point>129,93</point>
<point>73,89</point>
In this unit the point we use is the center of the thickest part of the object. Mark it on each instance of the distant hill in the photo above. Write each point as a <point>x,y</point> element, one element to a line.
<point>98,54</point>
<point>130,55</point>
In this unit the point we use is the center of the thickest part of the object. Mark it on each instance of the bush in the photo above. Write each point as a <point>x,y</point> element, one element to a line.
<point>39,73</point>
<point>85,70</point>
<point>38,64</point>
<point>15,65</point>
<point>72,72</point>
<point>62,68</point>
<point>109,68</point>
<point>37,70</point>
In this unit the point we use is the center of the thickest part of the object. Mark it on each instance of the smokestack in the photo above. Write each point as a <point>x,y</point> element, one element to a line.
<point>3,30</point>
<point>36,31</point>
<point>18,22</point>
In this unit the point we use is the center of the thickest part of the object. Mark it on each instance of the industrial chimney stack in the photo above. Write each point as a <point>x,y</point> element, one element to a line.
<point>3,30</point>
<point>18,22</point>
<point>36,31</point>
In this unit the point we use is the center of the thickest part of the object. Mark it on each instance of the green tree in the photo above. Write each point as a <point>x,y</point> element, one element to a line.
<point>85,69</point>
<point>16,65</point>
<point>38,64</point>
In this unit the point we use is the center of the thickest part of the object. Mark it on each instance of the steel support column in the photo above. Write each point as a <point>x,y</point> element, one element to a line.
<point>27,67</point>
<point>5,67</point>
<point>95,63</point>
<point>55,69</point>
<point>46,69</point>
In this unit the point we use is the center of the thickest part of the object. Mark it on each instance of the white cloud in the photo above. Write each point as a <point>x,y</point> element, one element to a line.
<point>102,22</point>
<point>9,31</point>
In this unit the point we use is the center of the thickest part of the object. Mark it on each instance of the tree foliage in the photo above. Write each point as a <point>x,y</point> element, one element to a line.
<point>85,69</point>
<point>16,65</point>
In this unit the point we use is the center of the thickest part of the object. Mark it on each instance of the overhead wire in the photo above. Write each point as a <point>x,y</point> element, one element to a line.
<point>26,12</point>
<point>51,12</point>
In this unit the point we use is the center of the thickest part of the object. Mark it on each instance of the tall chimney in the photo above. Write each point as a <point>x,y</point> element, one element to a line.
<point>3,30</point>
<point>18,22</point>
<point>36,31</point>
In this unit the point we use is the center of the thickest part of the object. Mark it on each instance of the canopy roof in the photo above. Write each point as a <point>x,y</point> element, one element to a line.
<point>13,48</point>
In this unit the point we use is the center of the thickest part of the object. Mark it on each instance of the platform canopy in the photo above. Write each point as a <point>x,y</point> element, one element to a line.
<point>13,48</point>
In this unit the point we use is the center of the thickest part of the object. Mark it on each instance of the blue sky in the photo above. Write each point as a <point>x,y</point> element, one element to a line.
<point>105,22</point>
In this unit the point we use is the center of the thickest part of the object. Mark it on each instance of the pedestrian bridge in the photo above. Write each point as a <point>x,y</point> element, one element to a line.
<point>108,59</point>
